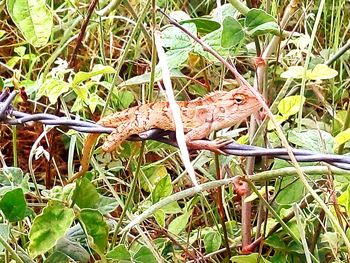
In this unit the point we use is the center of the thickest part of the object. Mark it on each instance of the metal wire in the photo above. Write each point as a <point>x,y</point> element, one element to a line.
<point>10,116</point>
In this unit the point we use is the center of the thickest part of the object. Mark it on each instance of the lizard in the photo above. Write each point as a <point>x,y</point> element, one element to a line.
<point>200,117</point>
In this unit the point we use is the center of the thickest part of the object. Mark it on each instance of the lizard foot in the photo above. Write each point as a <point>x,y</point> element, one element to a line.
<point>214,146</point>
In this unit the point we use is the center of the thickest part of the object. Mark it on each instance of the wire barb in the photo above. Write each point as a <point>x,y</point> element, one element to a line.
<point>10,116</point>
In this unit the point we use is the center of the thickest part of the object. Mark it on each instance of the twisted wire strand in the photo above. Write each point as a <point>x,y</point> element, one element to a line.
<point>9,116</point>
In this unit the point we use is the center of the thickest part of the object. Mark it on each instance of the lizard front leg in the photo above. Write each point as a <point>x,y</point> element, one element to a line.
<point>194,140</point>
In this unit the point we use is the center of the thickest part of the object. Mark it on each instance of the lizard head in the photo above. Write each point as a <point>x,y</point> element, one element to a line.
<point>234,106</point>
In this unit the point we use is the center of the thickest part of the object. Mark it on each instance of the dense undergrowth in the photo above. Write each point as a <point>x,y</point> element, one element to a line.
<point>84,59</point>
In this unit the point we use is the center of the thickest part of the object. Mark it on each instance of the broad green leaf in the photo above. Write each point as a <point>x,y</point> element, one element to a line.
<point>179,15</point>
<point>11,177</point>
<point>96,229</point>
<point>53,88</point>
<point>179,223</point>
<point>258,22</point>
<point>279,119</point>
<point>232,32</point>
<point>152,175</point>
<point>341,138</point>
<point>204,25</point>
<point>33,18</point>
<point>213,39</point>
<point>20,51</point>
<point>57,257</point>
<point>172,208</point>
<point>144,255</point>
<point>251,258</point>
<point>2,33</point>
<point>276,242</point>
<point>14,205</point>
<point>212,241</point>
<point>344,199</point>
<point>159,215</point>
<point>93,101</point>
<point>48,227</point>
<point>293,191</point>
<point>106,204</point>
<point>120,252</point>
<point>124,98</point>
<point>175,38</point>
<point>82,76</point>
<point>177,57</point>
<point>11,63</point>
<point>4,233</point>
<point>290,105</point>
<point>85,194</point>
<point>296,72</point>
<point>322,71</point>
<point>72,249</point>
<point>313,140</point>
<point>163,189</point>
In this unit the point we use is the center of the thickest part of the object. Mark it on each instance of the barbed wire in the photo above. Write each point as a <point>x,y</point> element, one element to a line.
<point>9,115</point>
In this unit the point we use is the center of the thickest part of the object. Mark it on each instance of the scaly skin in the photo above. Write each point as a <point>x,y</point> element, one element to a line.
<point>200,117</point>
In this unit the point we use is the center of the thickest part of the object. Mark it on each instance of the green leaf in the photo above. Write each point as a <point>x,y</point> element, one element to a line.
<point>232,32</point>
<point>172,208</point>
<point>97,71</point>
<point>292,191</point>
<point>33,18</point>
<point>144,255</point>
<point>2,33</point>
<point>159,215</point>
<point>213,39</point>
<point>13,205</point>
<point>212,241</point>
<point>96,229</point>
<point>4,233</point>
<point>11,177</point>
<point>290,105</point>
<point>341,138</point>
<point>124,98</point>
<point>279,119</point>
<point>72,249</point>
<point>93,101</point>
<point>175,38</point>
<point>85,194</point>
<point>57,257</point>
<point>204,25</point>
<point>251,258</point>
<point>314,140</point>
<point>258,22</point>
<point>344,199</point>
<point>152,175</point>
<point>176,58</point>
<point>296,72</point>
<point>106,204</point>
<point>322,71</point>
<point>179,223</point>
<point>53,88</point>
<point>20,51</point>
<point>120,252</point>
<point>163,189</point>
<point>48,227</point>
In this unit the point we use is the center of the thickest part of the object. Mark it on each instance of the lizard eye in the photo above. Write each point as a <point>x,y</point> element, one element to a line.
<point>238,100</point>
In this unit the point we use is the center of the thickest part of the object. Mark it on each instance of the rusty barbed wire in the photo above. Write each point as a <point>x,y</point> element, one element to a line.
<point>8,115</point>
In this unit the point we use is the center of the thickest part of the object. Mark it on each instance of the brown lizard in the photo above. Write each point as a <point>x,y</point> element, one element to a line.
<point>217,110</point>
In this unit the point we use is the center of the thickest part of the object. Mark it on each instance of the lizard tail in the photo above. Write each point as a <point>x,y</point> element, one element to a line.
<point>89,143</point>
